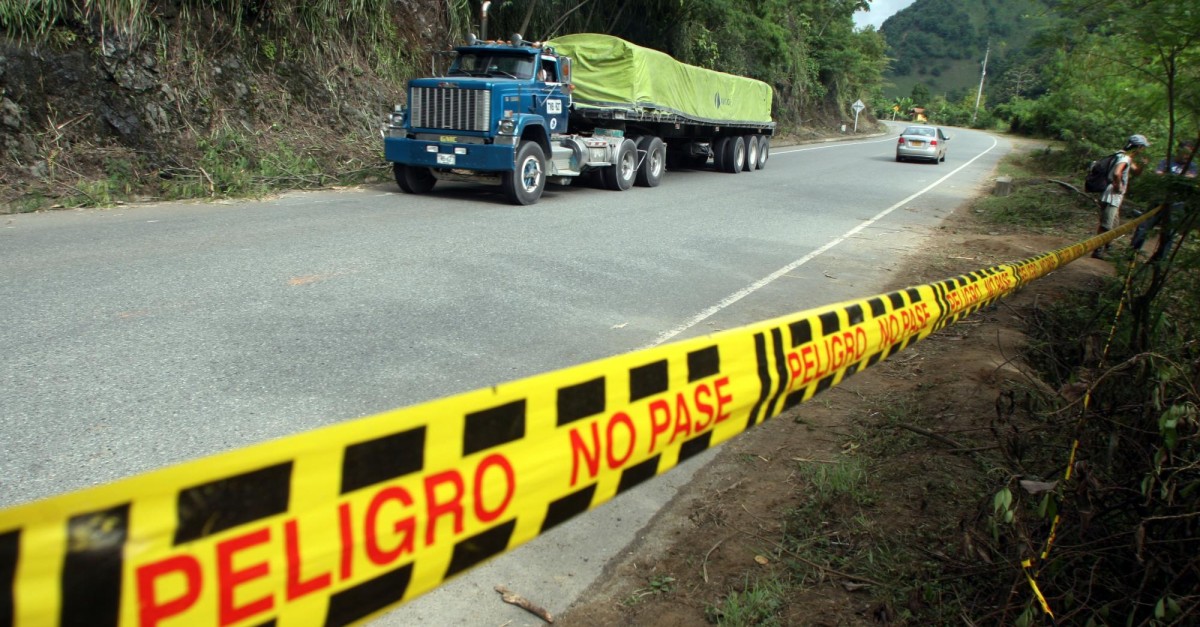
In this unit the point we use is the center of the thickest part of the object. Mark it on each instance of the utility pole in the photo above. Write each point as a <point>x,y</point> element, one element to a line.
<point>982,75</point>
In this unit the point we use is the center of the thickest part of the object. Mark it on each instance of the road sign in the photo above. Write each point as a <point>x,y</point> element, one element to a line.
<point>858,106</point>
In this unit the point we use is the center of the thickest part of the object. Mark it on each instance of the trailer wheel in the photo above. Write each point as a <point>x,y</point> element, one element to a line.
<point>735,155</point>
<point>413,180</point>
<point>620,175</point>
<point>654,161</point>
<point>751,153</point>
<point>764,151</point>
<point>525,184</point>
<point>718,150</point>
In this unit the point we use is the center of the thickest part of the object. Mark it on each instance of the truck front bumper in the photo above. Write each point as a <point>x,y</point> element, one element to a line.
<point>446,156</point>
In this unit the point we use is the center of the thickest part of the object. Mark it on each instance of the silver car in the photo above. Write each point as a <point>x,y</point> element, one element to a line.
<point>922,142</point>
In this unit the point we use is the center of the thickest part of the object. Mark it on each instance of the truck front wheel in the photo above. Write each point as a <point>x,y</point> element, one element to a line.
<point>413,180</point>
<point>620,175</point>
<point>654,161</point>
<point>525,184</point>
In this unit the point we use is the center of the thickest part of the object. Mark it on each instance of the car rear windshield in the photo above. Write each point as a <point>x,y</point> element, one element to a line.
<point>918,130</point>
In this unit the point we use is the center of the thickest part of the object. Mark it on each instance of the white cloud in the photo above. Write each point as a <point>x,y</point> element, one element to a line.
<point>880,11</point>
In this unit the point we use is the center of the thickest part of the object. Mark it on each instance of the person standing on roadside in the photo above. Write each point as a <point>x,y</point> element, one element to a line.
<point>1118,184</point>
<point>1184,164</point>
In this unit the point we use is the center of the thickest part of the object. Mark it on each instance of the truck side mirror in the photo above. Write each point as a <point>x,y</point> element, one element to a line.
<point>564,69</point>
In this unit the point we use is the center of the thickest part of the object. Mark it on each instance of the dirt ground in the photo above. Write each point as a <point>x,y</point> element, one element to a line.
<point>913,421</point>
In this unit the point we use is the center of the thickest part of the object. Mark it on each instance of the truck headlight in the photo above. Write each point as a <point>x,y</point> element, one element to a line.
<point>507,127</point>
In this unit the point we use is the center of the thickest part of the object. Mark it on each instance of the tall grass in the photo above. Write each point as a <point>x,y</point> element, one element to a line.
<point>33,20</point>
<point>311,27</point>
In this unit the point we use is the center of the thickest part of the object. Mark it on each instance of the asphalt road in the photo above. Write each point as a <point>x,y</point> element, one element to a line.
<point>147,335</point>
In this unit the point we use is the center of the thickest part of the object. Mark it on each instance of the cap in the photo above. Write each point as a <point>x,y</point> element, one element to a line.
<point>1137,141</point>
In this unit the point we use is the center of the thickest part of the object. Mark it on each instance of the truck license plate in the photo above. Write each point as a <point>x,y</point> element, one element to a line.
<point>445,159</point>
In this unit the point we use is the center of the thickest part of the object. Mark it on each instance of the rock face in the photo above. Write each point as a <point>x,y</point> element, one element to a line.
<point>85,104</point>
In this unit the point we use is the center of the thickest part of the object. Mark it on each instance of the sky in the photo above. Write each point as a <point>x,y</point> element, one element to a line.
<point>880,11</point>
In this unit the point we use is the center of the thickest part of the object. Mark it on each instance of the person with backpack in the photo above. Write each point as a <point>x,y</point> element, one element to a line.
<point>1118,183</point>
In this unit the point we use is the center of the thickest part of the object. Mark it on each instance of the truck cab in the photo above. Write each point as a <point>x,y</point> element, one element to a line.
<point>492,118</point>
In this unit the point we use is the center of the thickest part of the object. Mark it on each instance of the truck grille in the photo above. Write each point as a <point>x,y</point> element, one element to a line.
<point>452,109</point>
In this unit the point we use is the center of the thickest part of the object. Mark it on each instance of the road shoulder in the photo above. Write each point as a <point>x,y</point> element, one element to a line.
<point>735,526</point>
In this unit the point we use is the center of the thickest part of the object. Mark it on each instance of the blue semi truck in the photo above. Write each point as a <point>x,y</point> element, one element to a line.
<point>522,114</point>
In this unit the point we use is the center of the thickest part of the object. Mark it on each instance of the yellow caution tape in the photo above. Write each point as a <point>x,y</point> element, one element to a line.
<point>334,525</point>
<point>1027,567</point>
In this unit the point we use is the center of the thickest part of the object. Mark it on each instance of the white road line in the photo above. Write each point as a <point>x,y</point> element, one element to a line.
<point>763,282</point>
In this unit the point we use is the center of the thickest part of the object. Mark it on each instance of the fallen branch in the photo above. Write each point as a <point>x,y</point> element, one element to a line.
<point>523,603</point>
<point>704,563</point>
<point>929,434</point>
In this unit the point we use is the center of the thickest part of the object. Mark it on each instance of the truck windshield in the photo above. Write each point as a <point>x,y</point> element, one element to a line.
<point>490,64</point>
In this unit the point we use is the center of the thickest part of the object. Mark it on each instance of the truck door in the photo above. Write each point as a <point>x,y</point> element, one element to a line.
<point>555,100</point>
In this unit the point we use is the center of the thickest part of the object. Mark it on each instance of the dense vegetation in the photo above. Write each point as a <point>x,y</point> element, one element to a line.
<point>1117,538</point>
<point>185,98</point>
<point>808,49</point>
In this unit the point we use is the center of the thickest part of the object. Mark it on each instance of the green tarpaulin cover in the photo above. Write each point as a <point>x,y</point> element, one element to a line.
<point>610,72</point>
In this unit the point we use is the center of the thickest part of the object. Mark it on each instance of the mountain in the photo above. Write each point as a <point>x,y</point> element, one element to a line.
<point>941,43</point>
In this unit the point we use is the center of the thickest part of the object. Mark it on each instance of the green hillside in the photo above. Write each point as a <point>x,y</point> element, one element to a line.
<point>941,44</point>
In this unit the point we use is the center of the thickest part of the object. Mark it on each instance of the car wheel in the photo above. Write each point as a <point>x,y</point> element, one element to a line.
<point>899,159</point>
<point>620,175</point>
<point>654,160</point>
<point>413,180</point>
<point>525,184</point>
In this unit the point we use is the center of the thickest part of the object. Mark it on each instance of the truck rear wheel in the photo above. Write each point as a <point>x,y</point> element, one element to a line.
<point>413,180</point>
<point>718,150</point>
<point>525,184</point>
<point>620,175</point>
<point>653,152</point>
<point>751,153</point>
<point>764,151</point>
<point>735,155</point>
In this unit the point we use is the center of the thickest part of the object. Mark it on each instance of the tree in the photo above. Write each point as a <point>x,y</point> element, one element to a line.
<point>920,94</point>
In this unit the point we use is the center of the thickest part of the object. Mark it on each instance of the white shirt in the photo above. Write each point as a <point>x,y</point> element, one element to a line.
<point>1111,197</point>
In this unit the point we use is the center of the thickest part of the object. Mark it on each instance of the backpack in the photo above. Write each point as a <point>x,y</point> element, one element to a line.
<point>1100,173</point>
